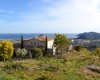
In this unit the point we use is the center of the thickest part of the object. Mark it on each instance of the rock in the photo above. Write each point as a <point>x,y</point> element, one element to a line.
<point>70,48</point>
<point>93,68</point>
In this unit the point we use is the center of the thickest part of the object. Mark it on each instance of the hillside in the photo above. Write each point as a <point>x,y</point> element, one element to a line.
<point>69,66</point>
<point>89,36</point>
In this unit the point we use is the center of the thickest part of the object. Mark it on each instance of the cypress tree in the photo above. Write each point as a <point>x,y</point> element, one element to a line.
<point>46,49</point>
<point>22,42</point>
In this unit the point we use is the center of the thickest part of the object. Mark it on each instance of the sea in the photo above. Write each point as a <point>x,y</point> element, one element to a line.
<point>14,36</point>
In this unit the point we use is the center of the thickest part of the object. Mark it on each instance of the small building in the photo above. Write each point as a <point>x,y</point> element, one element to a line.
<point>39,41</point>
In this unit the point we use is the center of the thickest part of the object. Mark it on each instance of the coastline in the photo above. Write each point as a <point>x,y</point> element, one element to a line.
<point>16,36</point>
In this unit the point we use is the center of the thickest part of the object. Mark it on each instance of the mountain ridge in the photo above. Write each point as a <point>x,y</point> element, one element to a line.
<point>89,36</point>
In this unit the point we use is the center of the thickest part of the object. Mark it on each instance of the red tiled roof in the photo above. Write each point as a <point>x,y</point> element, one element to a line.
<point>41,38</point>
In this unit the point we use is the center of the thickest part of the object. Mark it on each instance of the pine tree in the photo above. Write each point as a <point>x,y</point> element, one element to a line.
<point>61,42</point>
<point>22,42</point>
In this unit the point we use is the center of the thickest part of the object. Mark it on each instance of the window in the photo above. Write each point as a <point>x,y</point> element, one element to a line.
<point>37,43</point>
<point>34,43</point>
<point>31,43</point>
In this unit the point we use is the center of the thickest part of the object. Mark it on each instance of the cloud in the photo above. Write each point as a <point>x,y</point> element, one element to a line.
<point>76,14</point>
<point>66,16</point>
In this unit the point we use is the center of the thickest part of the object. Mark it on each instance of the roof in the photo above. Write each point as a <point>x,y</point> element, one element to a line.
<point>40,38</point>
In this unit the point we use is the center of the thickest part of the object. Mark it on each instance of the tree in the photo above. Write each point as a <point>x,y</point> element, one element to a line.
<point>41,35</point>
<point>21,52</point>
<point>61,41</point>
<point>22,42</point>
<point>46,49</point>
<point>6,49</point>
<point>78,48</point>
<point>36,53</point>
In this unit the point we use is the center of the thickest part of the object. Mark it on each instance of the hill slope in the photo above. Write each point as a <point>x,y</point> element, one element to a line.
<point>89,35</point>
<point>71,66</point>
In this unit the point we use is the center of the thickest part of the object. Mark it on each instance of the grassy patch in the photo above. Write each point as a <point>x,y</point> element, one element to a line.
<point>69,66</point>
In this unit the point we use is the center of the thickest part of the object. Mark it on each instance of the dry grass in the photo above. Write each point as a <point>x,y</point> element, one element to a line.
<point>69,66</point>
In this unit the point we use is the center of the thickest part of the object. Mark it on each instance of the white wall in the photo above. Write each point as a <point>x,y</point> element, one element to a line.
<point>32,42</point>
<point>50,44</point>
<point>38,43</point>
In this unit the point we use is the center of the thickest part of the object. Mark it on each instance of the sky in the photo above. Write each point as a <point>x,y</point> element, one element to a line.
<point>49,16</point>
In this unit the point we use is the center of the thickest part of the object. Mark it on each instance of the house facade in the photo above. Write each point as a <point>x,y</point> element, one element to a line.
<point>39,41</point>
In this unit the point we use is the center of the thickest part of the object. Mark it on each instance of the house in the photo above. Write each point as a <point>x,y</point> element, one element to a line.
<point>39,41</point>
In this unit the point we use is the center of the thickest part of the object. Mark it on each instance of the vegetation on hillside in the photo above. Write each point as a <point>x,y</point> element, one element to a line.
<point>97,52</point>
<point>22,46</point>
<point>36,53</point>
<point>70,66</point>
<point>77,64</point>
<point>6,50</point>
<point>61,41</point>
<point>21,53</point>
<point>46,47</point>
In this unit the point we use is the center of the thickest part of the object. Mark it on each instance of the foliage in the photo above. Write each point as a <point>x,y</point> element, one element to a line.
<point>77,48</point>
<point>6,49</point>
<point>73,68</point>
<point>41,35</point>
<point>81,49</point>
<point>36,52</point>
<point>22,42</point>
<point>84,50</point>
<point>97,52</point>
<point>46,49</point>
<point>29,55</point>
<point>61,41</point>
<point>21,53</point>
<point>12,65</point>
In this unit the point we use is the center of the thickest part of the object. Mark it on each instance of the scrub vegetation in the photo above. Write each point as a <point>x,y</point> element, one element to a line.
<point>68,66</point>
<point>77,64</point>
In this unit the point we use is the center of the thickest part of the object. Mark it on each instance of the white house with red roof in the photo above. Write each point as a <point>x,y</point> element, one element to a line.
<point>39,41</point>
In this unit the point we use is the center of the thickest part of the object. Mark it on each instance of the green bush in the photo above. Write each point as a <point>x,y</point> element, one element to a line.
<point>20,53</point>
<point>36,53</point>
<point>4,76</point>
<point>97,52</point>
<point>84,50</point>
<point>77,48</point>
<point>15,66</point>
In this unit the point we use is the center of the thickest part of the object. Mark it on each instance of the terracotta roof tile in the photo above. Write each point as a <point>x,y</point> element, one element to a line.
<point>41,38</point>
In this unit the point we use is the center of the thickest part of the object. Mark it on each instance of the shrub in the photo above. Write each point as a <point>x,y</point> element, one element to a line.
<point>29,55</point>
<point>21,53</point>
<point>97,52</point>
<point>77,48</point>
<point>84,50</point>
<point>11,65</point>
<point>36,53</point>
<point>6,49</point>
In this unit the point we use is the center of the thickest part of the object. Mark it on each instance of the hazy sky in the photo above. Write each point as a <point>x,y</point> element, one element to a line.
<point>49,16</point>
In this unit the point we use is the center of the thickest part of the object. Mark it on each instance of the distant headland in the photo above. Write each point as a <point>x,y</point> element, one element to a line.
<point>89,36</point>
